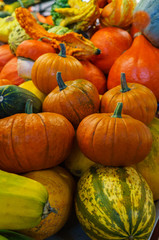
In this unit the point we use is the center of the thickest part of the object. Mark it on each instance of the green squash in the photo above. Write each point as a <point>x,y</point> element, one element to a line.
<point>151,31</point>
<point>114,203</point>
<point>13,100</point>
<point>10,235</point>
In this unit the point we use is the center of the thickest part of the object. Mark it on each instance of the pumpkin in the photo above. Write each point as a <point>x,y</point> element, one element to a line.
<point>112,42</point>
<point>38,141</point>
<point>118,13</point>
<point>27,52</point>
<point>114,203</point>
<point>5,55</point>
<point>60,186</point>
<point>113,139</point>
<point>146,15</point>
<point>77,163</point>
<point>5,82</point>
<point>46,66</point>
<point>29,85</point>
<point>9,71</point>
<point>75,100</point>
<point>95,75</point>
<point>140,64</point>
<point>138,101</point>
<point>149,167</point>
<point>13,100</point>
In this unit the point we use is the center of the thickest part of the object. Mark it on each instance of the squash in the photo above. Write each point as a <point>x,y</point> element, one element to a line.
<point>13,100</point>
<point>10,72</point>
<point>38,141</point>
<point>11,235</point>
<point>114,203</point>
<point>118,13</point>
<point>5,55</point>
<point>46,66</point>
<point>78,99</point>
<point>149,167</point>
<point>140,65</point>
<point>146,15</point>
<point>138,101</point>
<point>29,85</point>
<point>77,163</point>
<point>113,139</point>
<point>60,186</point>
<point>95,76</point>
<point>23,202</point>
<point>112,42</point>
<point>5,82</point>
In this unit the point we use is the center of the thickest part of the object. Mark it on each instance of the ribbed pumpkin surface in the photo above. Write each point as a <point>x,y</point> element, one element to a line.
<point>114,203</point>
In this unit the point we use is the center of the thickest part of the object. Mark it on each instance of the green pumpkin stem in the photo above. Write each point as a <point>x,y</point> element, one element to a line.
<point>124,86</point>
<point>21,3</point>
<point>60,81</point>
<point>62,52</point>
<point>29,106</point>
<point>118,110</point>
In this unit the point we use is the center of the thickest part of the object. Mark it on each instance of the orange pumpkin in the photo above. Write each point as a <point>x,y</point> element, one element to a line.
<point>61,186</point>
<point>112,42</point>
<point>114,139</point>
<point>74,100</point>
<point>38,141</point>
<point>5,82</point>
<point>140,64</point>
<point>95,76</point>
<point>9,71</point>
<point>46,66</point>
<point>138,101</point>
<point>5,55</point>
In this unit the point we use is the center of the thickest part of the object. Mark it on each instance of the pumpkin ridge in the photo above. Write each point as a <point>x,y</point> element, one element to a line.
<point>113,137</point>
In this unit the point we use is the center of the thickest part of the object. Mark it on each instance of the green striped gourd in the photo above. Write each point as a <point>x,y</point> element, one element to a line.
<point>114,203</point>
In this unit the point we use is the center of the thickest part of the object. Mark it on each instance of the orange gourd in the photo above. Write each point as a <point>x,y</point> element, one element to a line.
<point>46,66</point>
<point>5,55</point>
<point>5,82</point>
<point>138,101</point>
<point>112,42</point>
<point>73,99</point>
<point>114,139</point>
<point>60,186</point>
<point>30,141</point>
<point>140,64</point>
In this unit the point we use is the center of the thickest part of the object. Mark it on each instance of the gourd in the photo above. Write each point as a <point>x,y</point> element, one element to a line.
<point>46,66</point>
<point>5,82</point>
<point>60,186</point>
<point>10,72</point>
<point>78,99</point>
<point>38,141</point>
<point>11,235</point>
<point>112,42</point>
<point>138,101</point>
<point>146,15</point>
<point>13,100</point>
<point>149,167</point>
<point>114,203</point>
<point>76,45</point>
<point>113,139</point>
<point>118,13</point>
<point>5,55</point>
<point>140,65</point>
<point>23,202</point>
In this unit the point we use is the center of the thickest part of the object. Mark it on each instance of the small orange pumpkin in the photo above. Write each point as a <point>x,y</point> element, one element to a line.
<point>5,55</point>
<point>46,66</point>
<point>114,139</point>
<point>74,100</point>
<point>138,101</point>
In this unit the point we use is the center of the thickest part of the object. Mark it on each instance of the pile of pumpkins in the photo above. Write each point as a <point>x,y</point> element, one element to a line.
<point>81,134</point>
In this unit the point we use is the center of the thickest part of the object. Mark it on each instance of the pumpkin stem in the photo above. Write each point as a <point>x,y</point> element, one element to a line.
<point>62,52</point>
<point>60,81</point>
<point>21,3</point>
<point>118,110</point>
<point>29,106</point>
<point>124,86</point>
<point>47,210</point>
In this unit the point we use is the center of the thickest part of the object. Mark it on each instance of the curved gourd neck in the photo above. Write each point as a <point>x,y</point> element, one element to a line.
<point>124,86</point>
<point>60,81</point>
<point>118,110</point>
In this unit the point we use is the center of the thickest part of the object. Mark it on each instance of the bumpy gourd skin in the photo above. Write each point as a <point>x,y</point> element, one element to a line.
<point>76,44</point>
<point>76,14</point>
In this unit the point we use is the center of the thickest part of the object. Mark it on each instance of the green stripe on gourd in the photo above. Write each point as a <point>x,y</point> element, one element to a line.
<point>114,203</point>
